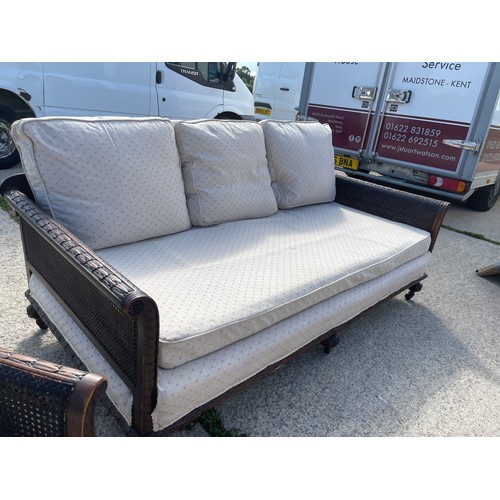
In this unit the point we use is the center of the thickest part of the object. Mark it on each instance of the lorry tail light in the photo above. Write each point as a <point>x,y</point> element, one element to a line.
<point>447,184</point>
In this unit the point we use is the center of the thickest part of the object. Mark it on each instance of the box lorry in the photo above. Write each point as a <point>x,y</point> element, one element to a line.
<point>177,90</point>
<point>276,89</point>
<point>431,127</point>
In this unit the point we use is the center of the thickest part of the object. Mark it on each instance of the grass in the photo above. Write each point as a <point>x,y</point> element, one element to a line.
<point>7,208</point>
<point>472,235</point>
<point>212,423</point>
<point>4,205</point>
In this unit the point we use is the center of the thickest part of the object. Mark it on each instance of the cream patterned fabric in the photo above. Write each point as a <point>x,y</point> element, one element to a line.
<point>225,170</point>
<point>109,180</point>
<point>217,285</point>
<point>118,392</point>
<point>301,162</point>
<point>194,384</point>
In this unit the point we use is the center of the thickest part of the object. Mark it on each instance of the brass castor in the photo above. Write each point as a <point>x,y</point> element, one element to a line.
<point>330,342</point>
<point>32,313</point>
<point>413,290</point>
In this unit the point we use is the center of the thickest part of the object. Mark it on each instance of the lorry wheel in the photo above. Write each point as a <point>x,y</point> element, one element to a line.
<point>484,199</point>
<point>9,155</point>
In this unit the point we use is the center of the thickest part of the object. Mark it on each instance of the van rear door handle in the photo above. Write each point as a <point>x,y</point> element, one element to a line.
<point>467,145</point>
<point>364,93</point>
<point>286,89</point>
<point>399,96</point>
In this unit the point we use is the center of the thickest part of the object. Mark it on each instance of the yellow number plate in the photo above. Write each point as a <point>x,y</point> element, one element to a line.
<point>346,162</point>
<point>263,111</point>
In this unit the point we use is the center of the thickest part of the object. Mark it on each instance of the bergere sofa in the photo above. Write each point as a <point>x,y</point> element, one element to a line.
<point>184,260</point>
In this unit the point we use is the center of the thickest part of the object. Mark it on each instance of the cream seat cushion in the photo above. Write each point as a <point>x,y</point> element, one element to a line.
<point>194,384</point>
<point>217,285</point>
<point>109,180</point>
<point>225,170</point>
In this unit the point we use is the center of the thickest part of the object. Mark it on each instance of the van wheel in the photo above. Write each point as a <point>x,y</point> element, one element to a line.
<point>484,199</point>
<point>228,116</point>
<point>9,155</point>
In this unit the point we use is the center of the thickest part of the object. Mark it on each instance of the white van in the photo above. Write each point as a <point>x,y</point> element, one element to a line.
<point>276,89</point>
<point>177,90</point>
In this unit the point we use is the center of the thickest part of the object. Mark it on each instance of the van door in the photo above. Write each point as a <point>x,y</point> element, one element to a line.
<point>189,90</point>
<point>277,89</point>
<point>98,88</point>
<point>264,89</point>
<point>288,90</point>
<point>345,95</point>
<point>429,106</point>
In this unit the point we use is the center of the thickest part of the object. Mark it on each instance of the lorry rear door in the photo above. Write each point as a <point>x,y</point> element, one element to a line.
<point>427,119</point>
<point>345,95</point>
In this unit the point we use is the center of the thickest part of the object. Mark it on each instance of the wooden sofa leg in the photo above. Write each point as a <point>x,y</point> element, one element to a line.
<point>32,313</point>
<point>412,290</point>
<point>330,342</point>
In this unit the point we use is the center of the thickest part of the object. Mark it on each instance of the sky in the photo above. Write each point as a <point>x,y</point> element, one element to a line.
<point>252,66</point>
<point>385,31</point>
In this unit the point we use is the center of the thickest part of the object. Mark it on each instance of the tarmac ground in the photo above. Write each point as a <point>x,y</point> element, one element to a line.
<point>429,367</point>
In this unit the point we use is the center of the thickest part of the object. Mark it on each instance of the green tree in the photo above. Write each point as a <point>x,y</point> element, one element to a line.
<point>245,74</point>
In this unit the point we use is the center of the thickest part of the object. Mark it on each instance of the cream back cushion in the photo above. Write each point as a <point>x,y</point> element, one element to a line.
<point>301,162</point>
<point>225,171</point>
<point>108,180</point>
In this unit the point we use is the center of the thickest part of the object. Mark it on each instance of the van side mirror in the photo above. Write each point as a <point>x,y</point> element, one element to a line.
<point>229,71</point>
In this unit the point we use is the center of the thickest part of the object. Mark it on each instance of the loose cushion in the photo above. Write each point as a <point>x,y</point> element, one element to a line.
<point>110,181</point>
<point>300,156</point>
<point>225,171</point>
<point>217,285</point>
